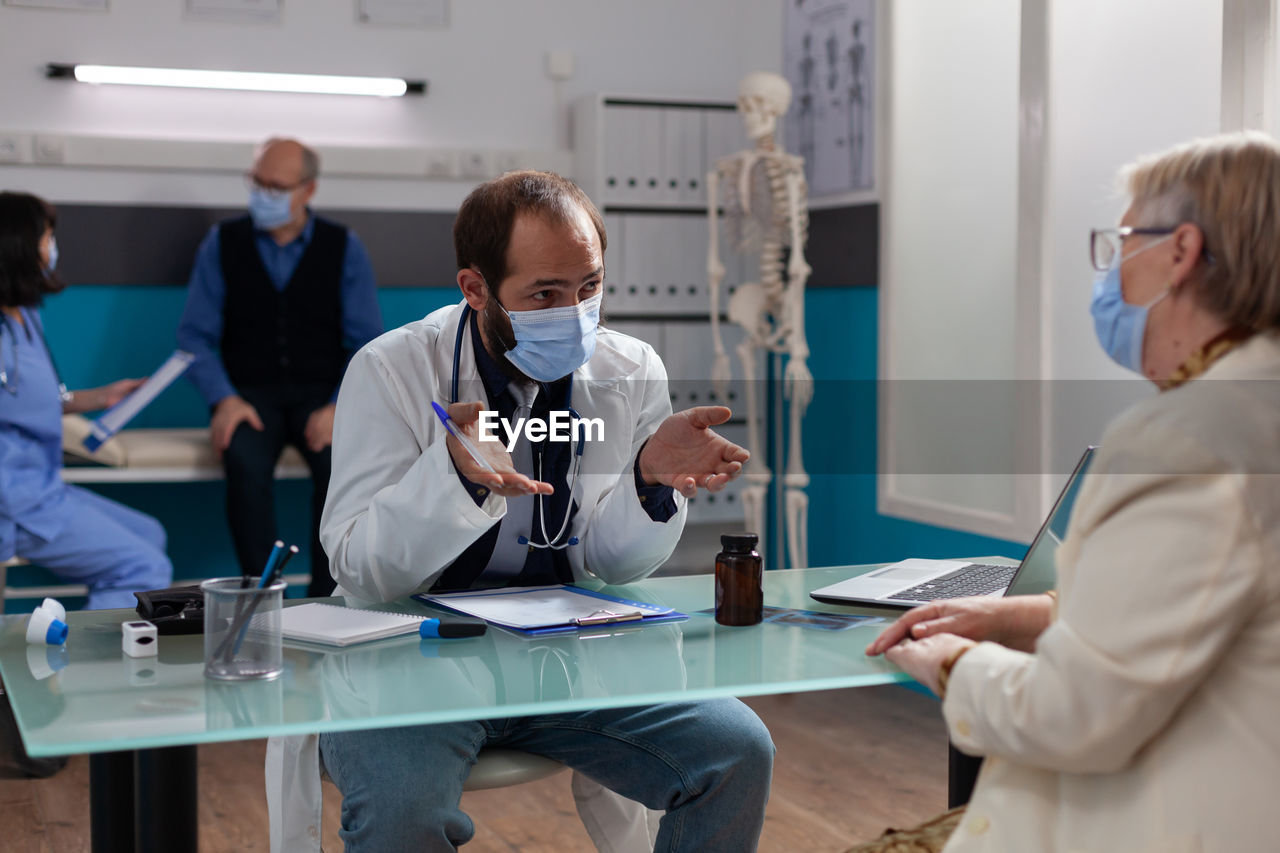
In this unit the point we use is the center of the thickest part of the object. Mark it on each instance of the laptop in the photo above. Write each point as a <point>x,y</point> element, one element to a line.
<point>912,582</point>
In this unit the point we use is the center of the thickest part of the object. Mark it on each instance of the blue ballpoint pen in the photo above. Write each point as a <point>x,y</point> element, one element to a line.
<point>240,625</point>
<point>277,552</point>
<point>466,443</point>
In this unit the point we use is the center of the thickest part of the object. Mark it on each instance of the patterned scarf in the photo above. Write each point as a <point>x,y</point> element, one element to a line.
<point>1204,357</point>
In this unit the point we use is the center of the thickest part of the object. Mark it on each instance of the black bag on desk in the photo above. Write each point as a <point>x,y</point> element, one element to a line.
<point>176,610</point>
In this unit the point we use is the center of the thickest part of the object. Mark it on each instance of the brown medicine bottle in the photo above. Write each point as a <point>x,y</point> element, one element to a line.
<point>739,575</point>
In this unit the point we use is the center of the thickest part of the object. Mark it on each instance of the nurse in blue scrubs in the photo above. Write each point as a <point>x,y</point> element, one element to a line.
<point>79,535</point>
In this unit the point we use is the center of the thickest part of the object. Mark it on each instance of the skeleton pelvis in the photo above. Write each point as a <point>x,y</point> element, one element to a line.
<point>747,306</point>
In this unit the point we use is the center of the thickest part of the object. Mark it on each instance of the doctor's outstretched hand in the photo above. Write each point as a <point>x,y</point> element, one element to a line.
<point>686,453</point>
<point>504,480</point>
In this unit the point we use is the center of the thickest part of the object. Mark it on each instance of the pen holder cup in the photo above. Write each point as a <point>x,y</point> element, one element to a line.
<point>242,639</point>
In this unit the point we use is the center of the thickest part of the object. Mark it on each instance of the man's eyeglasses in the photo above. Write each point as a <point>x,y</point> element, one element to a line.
<point>256,183</point>
<point>1106,243</point>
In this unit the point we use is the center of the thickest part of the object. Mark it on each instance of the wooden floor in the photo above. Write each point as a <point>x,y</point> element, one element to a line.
<point>850,763</point>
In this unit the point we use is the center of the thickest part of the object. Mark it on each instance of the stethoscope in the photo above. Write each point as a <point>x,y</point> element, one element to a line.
<point>552,542</point>
<point>6,325</point>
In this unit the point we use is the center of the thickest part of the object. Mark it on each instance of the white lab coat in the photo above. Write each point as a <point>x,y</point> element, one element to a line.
<point>392,473</point>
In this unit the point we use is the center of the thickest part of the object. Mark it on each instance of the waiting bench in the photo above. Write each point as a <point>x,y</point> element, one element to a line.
<point>156,456</point>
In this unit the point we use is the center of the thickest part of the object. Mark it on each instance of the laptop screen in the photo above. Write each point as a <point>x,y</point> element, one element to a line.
<point>1037,573</point>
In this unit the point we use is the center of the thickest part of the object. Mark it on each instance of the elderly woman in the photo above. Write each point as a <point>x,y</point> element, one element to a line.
<point>74,533</point>
<point>1139,710</point>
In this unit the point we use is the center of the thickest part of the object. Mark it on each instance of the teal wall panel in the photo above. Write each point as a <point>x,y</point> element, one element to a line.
<point>100,333</point>
<point>840,446</point>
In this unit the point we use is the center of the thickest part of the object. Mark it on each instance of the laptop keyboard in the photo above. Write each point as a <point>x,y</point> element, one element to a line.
<point>972,579</point>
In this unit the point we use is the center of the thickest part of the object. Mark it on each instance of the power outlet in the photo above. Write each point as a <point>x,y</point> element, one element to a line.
<point>14,147</point>
<point>49,149</point>
<point>442,164</point>
<point>559,64</point>
<point>475,164</point>
<point>506,161</point>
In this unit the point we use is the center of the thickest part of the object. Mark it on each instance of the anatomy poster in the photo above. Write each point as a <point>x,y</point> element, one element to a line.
<point>829,58</point>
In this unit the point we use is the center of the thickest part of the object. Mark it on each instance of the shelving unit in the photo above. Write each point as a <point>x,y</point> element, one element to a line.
<point>644,162</point>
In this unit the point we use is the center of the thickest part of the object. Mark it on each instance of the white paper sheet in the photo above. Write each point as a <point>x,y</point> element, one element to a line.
<point>541,606</point>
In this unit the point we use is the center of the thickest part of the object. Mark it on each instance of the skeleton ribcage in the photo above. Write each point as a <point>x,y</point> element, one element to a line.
<point>747,229</point>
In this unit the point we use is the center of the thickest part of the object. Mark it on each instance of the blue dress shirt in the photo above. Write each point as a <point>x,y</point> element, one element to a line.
<point>200,330</point>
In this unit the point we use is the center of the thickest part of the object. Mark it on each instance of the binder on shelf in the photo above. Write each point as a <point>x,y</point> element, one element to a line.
<point>649,142</point>
<point>692,168</point>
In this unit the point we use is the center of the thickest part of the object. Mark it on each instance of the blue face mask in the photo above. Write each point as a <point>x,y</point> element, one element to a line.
<point>53,254</point>
<point>1120,326</point>
<point>269,209</point>
<point>551,343</point>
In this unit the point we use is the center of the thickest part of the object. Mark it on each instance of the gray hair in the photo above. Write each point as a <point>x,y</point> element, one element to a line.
<point>1229,187</point>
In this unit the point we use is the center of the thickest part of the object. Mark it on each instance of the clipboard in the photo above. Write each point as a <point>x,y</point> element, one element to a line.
<point>559,608</point>
<point>114,419</point>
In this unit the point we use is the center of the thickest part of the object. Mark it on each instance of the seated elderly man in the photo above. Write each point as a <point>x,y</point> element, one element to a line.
<point>1139,712</point>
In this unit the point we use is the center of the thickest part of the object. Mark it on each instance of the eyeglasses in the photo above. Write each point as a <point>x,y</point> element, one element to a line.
<point>1106,243</point>
<point>255,183</point>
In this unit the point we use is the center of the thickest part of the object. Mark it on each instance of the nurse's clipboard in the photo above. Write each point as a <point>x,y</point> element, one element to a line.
<point>541,610</point>
<point>114,419</point>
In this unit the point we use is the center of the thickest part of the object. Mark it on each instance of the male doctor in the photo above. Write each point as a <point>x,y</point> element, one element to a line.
<point>410,510</point>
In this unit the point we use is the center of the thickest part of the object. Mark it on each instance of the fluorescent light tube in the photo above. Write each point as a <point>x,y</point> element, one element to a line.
<point>252,81</point>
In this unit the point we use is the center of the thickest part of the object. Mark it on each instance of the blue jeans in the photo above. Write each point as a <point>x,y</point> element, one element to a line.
<point>706,764</point>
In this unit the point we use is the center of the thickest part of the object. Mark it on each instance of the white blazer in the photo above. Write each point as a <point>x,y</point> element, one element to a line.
<point>1148,718</point>
<point>392,472</point>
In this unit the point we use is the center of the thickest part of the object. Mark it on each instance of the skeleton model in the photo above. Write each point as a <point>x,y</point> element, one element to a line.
<point>765,205</point>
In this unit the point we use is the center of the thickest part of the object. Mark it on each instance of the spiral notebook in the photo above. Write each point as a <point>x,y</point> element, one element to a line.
<point>334,625</point>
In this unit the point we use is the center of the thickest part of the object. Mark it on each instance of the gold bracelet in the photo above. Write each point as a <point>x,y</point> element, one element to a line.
<point>944,669</point>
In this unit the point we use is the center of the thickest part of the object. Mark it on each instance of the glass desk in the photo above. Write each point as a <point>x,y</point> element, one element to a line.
<point>141,718</point>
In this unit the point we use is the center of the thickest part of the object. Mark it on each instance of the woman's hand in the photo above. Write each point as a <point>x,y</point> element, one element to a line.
<point>922,659</point>
<point>102,397</point>
<point>1015,621</point>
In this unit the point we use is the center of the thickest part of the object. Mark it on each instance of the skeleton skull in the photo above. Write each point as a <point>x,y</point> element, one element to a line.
<point>762,99</point>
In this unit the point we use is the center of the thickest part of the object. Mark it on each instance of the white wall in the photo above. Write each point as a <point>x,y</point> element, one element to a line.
<point>487,84</point>
<point>1150,78</point>
<point>949,259</point>
<point>1004,152</point>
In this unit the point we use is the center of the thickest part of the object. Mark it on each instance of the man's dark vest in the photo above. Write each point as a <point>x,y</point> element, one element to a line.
<point>272,337</point>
